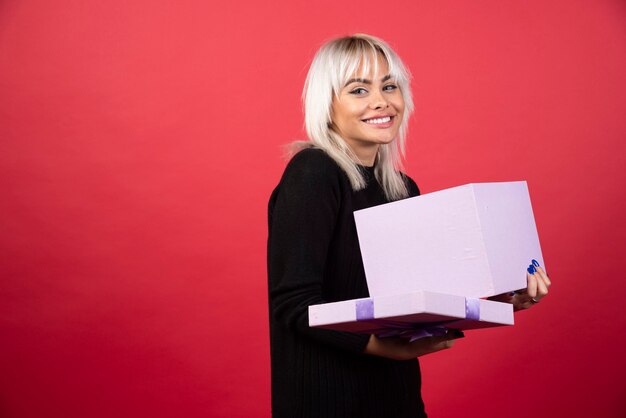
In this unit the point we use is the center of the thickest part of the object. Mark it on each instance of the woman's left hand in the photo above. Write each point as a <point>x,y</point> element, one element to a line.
<point>537,287</point>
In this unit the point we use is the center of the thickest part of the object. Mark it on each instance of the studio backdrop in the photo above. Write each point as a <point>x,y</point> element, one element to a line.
<point>140,141</point>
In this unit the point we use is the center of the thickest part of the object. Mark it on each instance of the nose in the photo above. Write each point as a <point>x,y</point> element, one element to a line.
<point>378,101</point>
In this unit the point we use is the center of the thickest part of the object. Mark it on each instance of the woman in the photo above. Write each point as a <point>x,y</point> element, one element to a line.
<point>357,102</point>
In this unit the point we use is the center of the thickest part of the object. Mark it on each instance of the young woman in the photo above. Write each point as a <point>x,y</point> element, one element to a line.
<point>357,102</point>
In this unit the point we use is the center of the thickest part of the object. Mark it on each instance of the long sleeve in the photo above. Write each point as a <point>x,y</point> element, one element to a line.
<point>304,211</point>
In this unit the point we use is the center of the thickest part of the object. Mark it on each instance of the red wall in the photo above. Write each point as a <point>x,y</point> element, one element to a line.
<point>139,143</point>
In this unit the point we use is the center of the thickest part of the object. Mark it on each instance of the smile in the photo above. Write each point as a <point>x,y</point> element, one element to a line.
<point>378,121</point>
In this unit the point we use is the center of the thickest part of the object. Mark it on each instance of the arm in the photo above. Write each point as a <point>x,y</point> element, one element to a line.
<point>411,186</point>
<point>302,222</point>
<point>402,348</point>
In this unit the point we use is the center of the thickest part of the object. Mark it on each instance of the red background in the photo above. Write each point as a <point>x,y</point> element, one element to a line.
<point>139,143</point>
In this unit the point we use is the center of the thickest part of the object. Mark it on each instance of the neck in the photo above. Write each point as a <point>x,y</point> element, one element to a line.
<point>366,153</point>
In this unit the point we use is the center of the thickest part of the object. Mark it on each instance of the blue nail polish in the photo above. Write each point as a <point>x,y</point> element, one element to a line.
<point>535,263</point>
<point>531,269</point>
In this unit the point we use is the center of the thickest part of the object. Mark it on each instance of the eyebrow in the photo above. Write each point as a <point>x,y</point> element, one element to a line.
<point>366,81</point>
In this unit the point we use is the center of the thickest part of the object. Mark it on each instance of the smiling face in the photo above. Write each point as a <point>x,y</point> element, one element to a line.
<point>368,110</point>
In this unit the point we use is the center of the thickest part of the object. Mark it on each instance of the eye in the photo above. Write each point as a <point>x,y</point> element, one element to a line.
<point>358,91</point>
<point>390,87</point>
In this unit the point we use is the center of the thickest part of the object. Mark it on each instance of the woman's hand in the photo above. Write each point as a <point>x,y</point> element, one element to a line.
<point>397,348</point>
<point>538,284</point>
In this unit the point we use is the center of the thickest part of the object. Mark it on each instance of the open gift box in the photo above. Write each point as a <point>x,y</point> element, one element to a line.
<point>429,259</point>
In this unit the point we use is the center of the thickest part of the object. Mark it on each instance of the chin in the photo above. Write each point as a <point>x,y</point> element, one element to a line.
<point>384,141</point>
<point>386,138</point>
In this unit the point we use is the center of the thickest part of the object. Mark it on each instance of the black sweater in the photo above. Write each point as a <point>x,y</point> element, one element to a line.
<point>314,257</point>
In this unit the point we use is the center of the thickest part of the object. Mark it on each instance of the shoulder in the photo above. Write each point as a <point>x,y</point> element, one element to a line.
<point>411,185</point>
<point>312,164</point>
<point>311,178</point>
<point>312,159</point>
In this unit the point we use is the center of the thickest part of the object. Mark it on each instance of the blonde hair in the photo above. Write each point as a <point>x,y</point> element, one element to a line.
<point>335,62</point>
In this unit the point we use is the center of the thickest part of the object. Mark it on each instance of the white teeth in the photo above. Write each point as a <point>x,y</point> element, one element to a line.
<point>378,120</point>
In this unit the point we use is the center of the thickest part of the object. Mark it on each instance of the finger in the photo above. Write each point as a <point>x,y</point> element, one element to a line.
<point>444,343</point>
<point>544,276</point>
<point>532,284</point>
<point>431,345</point>
<point>542,288</point>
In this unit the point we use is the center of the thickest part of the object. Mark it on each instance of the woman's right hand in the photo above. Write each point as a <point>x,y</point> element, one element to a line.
<point>397,348</point>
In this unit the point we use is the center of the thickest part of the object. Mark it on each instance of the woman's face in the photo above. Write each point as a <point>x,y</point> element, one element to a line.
<point>368,111</point>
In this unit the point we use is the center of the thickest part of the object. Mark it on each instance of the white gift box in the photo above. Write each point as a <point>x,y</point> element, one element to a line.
<point>475,240</point>
<point>429,258</point>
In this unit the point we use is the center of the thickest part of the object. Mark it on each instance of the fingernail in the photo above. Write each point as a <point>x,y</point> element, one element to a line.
<point>531,269</point>
<point>535,263</point>
<point>512,293</point>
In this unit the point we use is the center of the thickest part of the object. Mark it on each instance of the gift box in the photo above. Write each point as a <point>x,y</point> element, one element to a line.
<point>475,240</point>
<point>429,259</point>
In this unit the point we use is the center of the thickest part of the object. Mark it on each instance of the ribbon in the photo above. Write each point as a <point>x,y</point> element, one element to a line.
<point>390,328</point>
<point>364,310</point>
<point>472,309</point>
